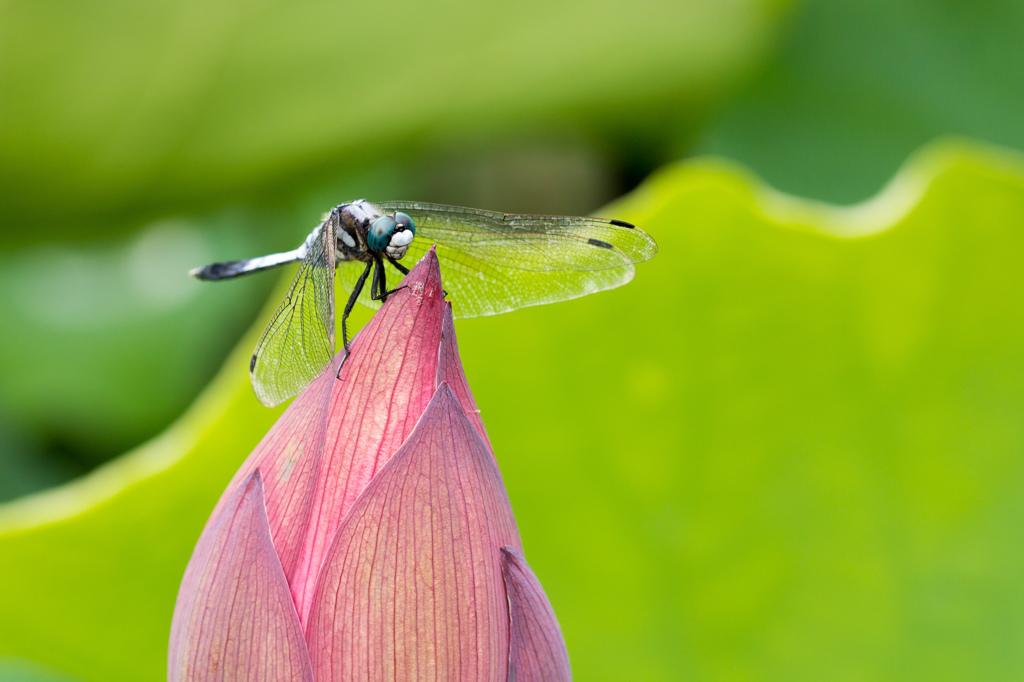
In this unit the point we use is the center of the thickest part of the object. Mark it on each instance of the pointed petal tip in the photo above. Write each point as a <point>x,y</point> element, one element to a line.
<point>429,263</point>
<point>383,388</point>
<point>423,282</point>
<point>536,647</point>
<point>255,480</point>
<point>234,617</point>
<point>449,370</point>
<point>431,557</point>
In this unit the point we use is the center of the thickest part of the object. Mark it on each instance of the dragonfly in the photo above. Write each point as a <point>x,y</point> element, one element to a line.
<point>492,263</point>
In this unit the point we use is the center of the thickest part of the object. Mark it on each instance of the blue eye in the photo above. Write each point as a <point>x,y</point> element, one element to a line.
<point>405,221</point>
<point>379,234</point>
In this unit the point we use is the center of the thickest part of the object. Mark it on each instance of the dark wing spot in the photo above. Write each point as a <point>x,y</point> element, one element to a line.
<point>598,242</point>
<point>623,223</point>
<point>252,363</point>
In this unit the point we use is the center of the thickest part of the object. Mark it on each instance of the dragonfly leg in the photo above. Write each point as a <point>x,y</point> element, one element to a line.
<point>398,266</point>
<point>348,310</point>
<point>405,271</point>
<point>379,287</point>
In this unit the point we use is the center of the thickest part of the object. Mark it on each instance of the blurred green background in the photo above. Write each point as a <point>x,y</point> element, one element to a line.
<point>792,448</point>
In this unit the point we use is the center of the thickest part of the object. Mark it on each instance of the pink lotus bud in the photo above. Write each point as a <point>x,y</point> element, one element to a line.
<point>370,524</point>
<point>234,618</point>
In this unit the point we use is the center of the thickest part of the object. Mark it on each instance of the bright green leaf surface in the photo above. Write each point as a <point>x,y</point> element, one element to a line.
<point>860,84</point>
<point>129,130</point>
<point>785,451</point>
<point>105,343</point>
<point>15,670</point>
<point>171,102</point>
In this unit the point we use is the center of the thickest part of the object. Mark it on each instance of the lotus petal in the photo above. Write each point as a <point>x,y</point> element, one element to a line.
<point>384,388</point>
<point>412,587</point>
<point>288,459</point>
<point>337,434</point>
<point>449,369</point>
<point>234,619</point>
<point>536,647</point>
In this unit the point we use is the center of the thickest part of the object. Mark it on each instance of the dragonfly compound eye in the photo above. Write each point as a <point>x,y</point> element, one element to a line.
<point>379,235</point>
<point>405,221</point>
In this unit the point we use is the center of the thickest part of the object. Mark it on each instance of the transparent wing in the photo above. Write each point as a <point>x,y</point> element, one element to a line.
<point>348,275</point>
<point>496,262</point>
<point>299,340</point>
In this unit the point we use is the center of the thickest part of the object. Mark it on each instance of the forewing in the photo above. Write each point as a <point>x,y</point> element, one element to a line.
<point>348,275</point>
<point>299,341</point>
<point>495,262</point>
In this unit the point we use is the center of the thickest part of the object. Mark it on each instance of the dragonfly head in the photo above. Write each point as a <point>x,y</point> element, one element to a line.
<point>391,234</point>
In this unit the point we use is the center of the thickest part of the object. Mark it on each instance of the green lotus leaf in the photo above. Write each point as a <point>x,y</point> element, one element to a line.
<point>790,449</point>
<point>858,85</point>
<point>172,124</point>
<point>170,104</point>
